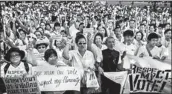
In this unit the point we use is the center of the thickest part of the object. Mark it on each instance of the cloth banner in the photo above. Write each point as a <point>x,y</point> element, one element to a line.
<point>25,85</point>
<point>53,78</point>
<point>149,75</point>
<point>118,77</point>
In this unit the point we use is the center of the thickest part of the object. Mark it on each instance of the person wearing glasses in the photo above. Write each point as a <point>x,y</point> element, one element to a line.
<point>15,66</point>
<point>80,58</point>
<point>35,55</point>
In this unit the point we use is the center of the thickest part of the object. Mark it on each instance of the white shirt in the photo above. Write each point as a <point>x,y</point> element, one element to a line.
<point>130,49</point>
<point>81,62</point>
<point>155,51</point>
<point>15,71</point>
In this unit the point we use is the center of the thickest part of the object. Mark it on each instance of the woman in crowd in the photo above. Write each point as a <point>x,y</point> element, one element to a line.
<point>82,59</point>
<point>98,40</point>
<point>51,58</point>
<point>14,57</point>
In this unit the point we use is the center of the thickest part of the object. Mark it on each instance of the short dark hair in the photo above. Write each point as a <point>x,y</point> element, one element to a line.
<point>142,35</point>
<point>81,24</point>
<point>36,46</point>
<point>98,34</point>
<point>167,30</point>
<point>79,36</point>
<point>152,36</point>
<point>56,24</point>
<point>152,25</point>
<point>48,53</point>
<point>39,32</point>
<point>128,33</point>
<point>22,31</point>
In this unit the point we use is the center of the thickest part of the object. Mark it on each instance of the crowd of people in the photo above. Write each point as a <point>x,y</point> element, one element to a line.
<point>57,33</point>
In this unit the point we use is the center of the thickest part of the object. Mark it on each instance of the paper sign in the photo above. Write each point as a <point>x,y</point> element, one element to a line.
<point>92,80</point>
<point>88,30</point>
<point>26,85</point>
<point>51,78</point>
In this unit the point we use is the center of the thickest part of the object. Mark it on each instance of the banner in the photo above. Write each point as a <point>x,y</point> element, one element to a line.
<point>25,85</point>
<point>118,77</point>
<point>149,75</point>
<point>51,78</point>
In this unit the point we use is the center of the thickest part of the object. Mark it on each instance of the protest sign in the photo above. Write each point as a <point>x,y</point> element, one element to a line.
<point>149,75</point>
<point>88,30</point>
<point>25,85</point>
<point>118,77</point>
<point>51,78</point>
<point>92,80</point>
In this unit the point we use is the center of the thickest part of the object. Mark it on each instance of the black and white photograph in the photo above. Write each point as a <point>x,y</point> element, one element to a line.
<point>85,47</point>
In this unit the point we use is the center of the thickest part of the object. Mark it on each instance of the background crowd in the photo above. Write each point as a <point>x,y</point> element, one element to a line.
<point>93,36</point>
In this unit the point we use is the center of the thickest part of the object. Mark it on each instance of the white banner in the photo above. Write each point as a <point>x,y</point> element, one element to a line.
<point>118,77</point>
<point>51,78</point>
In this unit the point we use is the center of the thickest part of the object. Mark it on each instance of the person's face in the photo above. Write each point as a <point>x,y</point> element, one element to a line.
<point>52,60</point>
<point>138,36</point>
<point>42,25</point>
<point>22,35</point>
<point>153,42</point>
<point>168,35</point>
<point>132,25</point>
<point>48,27</point>
<point>101,30</point>
<point>160,30</point>
<point>152,29</point>
<point>81,27</point>
<point>167,26</point>
<point>41,48</point>
<point>38,35</point>
<point>1,36</point>
<point>57,28</point>
<point>82,44</point>
<point>63,34</point>
<point>15,58</point>
<point>98,40</point>
<point>110,43</point>
<point>128,39</point>
<point>142,28</point>
<point>118,32</point>
<point>40,29</point>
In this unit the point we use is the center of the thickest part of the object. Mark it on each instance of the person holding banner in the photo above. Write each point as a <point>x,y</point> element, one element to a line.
<point>16,67</point>
<point>52,59</point>
<point>83,60</point>
<point>150,49</point>
<point>110,64</point>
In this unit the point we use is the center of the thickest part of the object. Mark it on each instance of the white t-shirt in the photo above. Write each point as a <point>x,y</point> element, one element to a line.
<point>130,49</point>
<point>15,71</point>
<point>155,51</point>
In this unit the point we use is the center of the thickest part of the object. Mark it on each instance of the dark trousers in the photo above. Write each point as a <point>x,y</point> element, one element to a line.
<point>109,85</point>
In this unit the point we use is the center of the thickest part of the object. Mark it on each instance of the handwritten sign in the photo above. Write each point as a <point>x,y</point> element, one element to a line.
<point>51,78</point>
<point>25,85</point>
<point>92,80</point>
